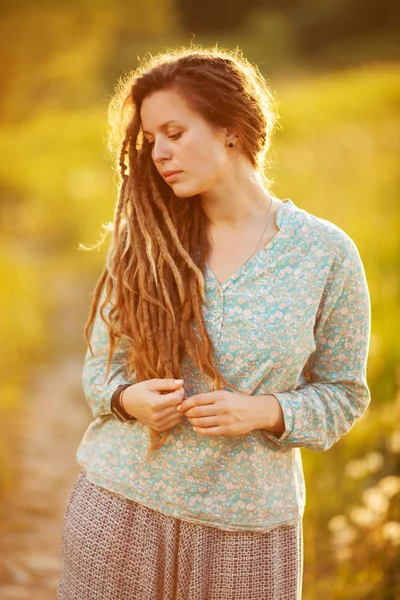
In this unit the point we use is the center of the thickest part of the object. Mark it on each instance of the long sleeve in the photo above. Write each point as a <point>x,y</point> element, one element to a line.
<point>334,390</point>
<point>97,389</point>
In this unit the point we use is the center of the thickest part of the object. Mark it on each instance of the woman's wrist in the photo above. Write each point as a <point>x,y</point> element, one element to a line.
<point>121,401</point>
<point>269,414</point>
<point>117,408</point>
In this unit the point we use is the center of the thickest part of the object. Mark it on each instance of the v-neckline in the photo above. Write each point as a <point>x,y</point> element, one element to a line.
<point>264,250</point>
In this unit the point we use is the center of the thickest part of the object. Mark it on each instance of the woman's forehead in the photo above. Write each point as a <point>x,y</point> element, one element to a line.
<point>163,108</point>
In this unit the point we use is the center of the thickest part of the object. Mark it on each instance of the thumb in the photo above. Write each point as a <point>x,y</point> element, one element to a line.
<point>165,384</point>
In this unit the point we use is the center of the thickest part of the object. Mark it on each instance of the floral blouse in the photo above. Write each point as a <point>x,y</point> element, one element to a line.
<point>294,321</point>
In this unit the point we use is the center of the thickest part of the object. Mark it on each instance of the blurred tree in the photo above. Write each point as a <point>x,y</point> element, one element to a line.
<point>315,25</point>
<point>319,24</point>
<point>209,16</point>
<point>49,49</point>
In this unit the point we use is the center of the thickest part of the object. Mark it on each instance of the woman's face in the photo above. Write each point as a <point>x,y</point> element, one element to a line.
<point>182,140</point>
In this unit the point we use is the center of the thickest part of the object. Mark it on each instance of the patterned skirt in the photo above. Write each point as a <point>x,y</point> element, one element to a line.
<point>117,549</point>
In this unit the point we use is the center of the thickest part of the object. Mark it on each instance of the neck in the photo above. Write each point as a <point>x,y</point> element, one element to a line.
<point>239,200</point>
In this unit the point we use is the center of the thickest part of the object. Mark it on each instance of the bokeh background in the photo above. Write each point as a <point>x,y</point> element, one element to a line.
<point>334,68</point>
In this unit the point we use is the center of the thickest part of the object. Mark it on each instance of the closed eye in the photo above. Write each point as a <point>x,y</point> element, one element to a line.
<point>174,136</point>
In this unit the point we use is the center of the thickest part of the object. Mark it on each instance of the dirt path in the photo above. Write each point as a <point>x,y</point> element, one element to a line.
<point>47,435</point>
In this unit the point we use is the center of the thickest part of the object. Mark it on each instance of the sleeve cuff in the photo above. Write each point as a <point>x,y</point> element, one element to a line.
<point>284,400</point>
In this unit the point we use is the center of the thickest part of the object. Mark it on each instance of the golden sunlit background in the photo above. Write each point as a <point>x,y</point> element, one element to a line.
<point>334,68</point>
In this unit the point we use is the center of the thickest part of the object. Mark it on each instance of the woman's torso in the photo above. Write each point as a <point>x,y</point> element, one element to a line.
<point>261,322</point>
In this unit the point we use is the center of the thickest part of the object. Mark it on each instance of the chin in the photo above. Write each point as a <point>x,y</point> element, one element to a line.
<point>182,192</point>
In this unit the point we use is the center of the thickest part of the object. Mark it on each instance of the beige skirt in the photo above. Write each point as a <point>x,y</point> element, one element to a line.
<point>116,549</point>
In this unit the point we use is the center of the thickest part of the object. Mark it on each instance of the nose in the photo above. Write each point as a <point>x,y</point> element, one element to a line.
<point>161,150</point>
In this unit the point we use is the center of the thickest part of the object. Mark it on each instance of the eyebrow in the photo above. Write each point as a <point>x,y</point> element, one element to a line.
<point>165,125</point>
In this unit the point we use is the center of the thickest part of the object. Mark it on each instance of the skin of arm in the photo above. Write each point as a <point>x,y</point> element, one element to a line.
<point>270,414</point>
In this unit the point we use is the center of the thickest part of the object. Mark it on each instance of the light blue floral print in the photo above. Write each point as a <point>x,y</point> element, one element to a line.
<point>294,321</point>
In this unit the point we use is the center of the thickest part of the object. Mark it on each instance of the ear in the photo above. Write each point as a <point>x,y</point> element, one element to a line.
<point>230,135</point>
<point>226,135</point>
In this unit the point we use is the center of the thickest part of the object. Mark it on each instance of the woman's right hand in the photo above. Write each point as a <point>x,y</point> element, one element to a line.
<point>146,402</point>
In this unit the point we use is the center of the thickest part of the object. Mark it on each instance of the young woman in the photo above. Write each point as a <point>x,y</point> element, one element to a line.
<point>228,330</point>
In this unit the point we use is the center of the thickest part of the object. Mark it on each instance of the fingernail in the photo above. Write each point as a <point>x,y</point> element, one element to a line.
<point>178,381</point>
<point>194,428</point>
<point>179,407</point>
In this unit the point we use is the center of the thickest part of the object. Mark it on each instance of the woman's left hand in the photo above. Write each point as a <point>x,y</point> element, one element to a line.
<point>222,413</point>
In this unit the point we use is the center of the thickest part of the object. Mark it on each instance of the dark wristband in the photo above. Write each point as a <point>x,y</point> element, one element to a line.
<point>116,407</point>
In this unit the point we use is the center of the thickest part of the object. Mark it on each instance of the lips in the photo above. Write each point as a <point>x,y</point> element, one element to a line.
<point>169,173</point>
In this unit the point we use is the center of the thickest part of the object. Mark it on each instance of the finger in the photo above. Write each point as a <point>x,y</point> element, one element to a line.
<point>198,400</point>
<point>206,410</point>
<point>159,385</point>
<point>171,423</point>
<point>204,421</point>
<point>166,414</point>
<point>209,431</point>
<point>171,399</point>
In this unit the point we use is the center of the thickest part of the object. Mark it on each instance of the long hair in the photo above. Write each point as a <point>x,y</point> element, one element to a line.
<point>154,274</point>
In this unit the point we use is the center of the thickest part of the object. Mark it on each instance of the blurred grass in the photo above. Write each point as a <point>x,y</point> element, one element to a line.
<point>337,156</point>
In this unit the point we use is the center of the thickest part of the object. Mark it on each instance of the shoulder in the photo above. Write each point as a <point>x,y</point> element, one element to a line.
<point>323,235</point>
